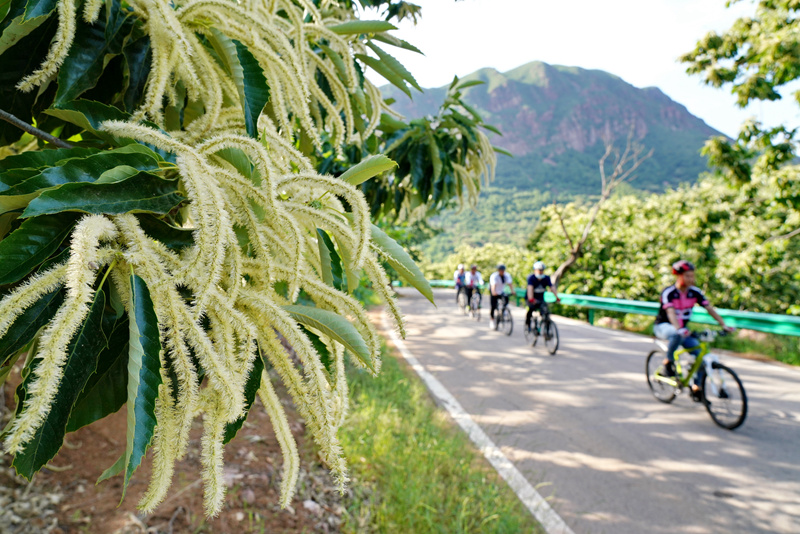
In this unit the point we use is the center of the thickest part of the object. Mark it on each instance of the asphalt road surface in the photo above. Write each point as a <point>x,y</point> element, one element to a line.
<point>584,429</point>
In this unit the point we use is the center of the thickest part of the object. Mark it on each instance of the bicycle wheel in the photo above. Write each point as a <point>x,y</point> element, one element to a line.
<point>462,302</point>
<point>654,368</point>
<point>475,307</point>
<point>550,331</point>
<point>724,397</point>
<point>530,334</point>
<point>508,322</point>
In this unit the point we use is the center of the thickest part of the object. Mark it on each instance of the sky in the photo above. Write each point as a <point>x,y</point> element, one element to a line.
<point>637,40</point>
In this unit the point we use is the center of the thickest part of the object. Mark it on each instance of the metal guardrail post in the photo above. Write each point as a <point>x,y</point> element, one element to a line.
<point>591,316</point>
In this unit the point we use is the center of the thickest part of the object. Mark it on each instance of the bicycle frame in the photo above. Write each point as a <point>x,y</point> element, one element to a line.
<point>682,383</point>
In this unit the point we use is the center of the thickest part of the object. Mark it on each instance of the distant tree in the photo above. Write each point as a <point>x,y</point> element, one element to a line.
<point>616,168</point>
<point>758,57</point>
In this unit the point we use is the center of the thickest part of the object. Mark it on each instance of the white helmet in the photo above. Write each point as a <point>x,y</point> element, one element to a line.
<point>539,266</point>
<point>460,266</point>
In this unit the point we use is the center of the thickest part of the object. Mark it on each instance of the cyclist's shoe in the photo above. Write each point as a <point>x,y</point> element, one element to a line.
<point>723,394</point>
<point>668,370</point>
<point>697,395</point>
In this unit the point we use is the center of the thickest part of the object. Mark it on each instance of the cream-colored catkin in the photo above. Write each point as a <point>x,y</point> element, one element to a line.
<point>283,434</point>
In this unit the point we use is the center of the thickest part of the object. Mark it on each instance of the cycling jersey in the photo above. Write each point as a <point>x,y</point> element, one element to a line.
<point>473,280</point>
<point>459,277</point>
<point>540,285</point>
<point>499,282</point>
<point>683,303</point>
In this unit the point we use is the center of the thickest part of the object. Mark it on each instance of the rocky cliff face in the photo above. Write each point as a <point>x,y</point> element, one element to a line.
<point>554,120</point>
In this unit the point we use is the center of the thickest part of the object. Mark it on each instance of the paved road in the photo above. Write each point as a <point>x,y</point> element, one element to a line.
<point>584,429</point>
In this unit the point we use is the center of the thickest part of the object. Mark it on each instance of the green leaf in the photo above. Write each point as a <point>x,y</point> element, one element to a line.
<point>105,391</point>
<point>355,27</point>
<point>20,60</point>
<point>335,327</point>
<point>470,83</point>
<point>401,262</point>
<point>142,193</point>
<point>385,71</point>
<point>32,243</point>
<point>353,278</point>
<point>367,168</point>
<point>173,238</point>
<point>81,362</point>
<point>88,114</point>
<point>391,62</point>
<point>94,45</point>
<point>492,129</point>
<point>502,151</point>
<point>254,91</point>
<point>395,41</point>
<point>22,17</point>
<point>143,376</point>
<point>250,390</point>
<point>114,470</point>
<point>25,327</point>
<point>337,60</point>
<point>138,57</point>
<point>436,159</point>
<point>331,263</point>
<point>86,169</point>
<point>43,158</point>
<point>322,349</point>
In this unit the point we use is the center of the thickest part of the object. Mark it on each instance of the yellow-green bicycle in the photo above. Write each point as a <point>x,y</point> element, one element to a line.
<point>721,391</point>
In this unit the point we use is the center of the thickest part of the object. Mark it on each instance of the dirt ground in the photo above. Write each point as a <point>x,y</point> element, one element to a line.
<point>63,498</point>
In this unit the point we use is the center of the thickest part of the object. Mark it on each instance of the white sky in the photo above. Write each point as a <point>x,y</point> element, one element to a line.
<point>638,40</point>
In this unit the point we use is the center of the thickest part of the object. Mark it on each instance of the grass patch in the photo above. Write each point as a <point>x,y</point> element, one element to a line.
<point>413,470</point>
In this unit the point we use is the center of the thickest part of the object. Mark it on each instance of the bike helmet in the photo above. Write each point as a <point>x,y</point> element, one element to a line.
<point>460,266</point>
<point>501,267</point>
<point>539,266</point>
<point>682,266</point>
<point>473,266</point>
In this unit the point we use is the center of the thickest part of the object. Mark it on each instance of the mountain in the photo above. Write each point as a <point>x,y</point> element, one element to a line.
<point>554,120</point>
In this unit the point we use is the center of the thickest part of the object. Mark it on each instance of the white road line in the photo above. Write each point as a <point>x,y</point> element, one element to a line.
<point>538,506</point>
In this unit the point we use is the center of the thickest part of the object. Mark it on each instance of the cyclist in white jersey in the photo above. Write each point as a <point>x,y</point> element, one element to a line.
<point>497,288</point>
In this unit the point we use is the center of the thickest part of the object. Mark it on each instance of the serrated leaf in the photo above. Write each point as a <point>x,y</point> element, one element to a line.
<point>105,391</point>
<point>401,262</point>
<point>20,60</point>
<point>173,238</point>
<point>81,362</point>
<point>88,114</point>
<point>470,83</point>
<point>21,18</point>
<point>338,62</point>
<point>384,70</point>
<point>25,327</point>
<point>86,169</point>
<point>391,62</point>
<point>355,27</point>
<point>254,91</point>
<point>32,243</point>
<point>331,262</point>
<point>335,327</point>
<point>144,378</point>
<point>92,47</point>
<point>367,168</point>
<point>142,193</point>
<point>395,41</point>
<point>43,158</point>
<point>112,471</point>
<point>250,391</point>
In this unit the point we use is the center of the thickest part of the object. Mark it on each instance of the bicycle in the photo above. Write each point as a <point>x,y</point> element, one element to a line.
<point>546,326</point>
<point>504,322</point>
<point>475,305</point>
<point>721,391</point>
<point>461,299</point>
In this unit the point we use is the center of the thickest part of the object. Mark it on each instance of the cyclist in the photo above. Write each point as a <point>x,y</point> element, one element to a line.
<point>473,282</point>
<point>677,302</point>
<point>497,285</point>
<point>459,277</point>
<point>538,283</point>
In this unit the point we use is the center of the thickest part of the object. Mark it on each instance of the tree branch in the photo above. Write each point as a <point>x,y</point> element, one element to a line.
<point>36,132</point>
<point>563,227</point>
<point>784,236</point>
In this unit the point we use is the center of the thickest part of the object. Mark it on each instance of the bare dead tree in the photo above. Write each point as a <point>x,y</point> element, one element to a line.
<point>615,168</point>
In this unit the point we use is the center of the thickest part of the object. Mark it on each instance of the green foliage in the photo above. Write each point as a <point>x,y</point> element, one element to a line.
<point>758,57</point>
<point>724,231</point>
<point>422,473</point>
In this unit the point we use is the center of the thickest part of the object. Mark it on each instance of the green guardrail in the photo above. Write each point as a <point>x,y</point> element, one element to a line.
<point>787,325</point>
